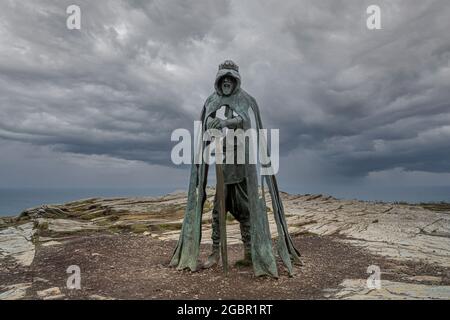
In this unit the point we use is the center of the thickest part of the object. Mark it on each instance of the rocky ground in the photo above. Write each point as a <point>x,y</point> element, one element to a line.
<point>123,245</point>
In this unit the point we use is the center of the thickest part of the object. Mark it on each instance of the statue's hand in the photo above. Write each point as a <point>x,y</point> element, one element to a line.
<point>216,123</point>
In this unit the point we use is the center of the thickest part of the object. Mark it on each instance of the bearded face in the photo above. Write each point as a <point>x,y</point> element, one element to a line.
<point>227,85</point>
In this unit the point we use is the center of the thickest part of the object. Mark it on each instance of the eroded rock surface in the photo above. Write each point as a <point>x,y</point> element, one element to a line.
<point>357,289</point>
<point>14,292</point>
<point>398,231</point>
<point>16,242</point>
<point>401,232</point>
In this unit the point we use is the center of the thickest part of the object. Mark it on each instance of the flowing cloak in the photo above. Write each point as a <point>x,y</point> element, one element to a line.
<point>186,253</point>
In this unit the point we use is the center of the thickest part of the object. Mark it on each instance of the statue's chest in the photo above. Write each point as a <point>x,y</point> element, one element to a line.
<point>225,112</point>
<point>227,107</point>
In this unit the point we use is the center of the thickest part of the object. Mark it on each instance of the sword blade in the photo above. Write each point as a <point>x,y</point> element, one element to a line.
<point>220,190</point>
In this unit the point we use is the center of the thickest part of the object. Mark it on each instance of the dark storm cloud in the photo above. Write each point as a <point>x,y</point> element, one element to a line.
<point>356,101</point>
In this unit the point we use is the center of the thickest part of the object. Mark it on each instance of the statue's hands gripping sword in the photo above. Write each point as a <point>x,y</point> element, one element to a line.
<point>221,125</point>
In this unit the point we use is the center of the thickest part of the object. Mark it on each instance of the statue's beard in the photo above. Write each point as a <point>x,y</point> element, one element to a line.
<point>227,89</point>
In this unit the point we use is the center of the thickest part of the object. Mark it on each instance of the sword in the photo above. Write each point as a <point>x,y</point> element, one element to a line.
<point>220,188</point>
<point>220,197</point>
<point>220,194</point>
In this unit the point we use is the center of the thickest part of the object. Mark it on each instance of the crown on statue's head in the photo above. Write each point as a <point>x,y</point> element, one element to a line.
<point>228,64</point>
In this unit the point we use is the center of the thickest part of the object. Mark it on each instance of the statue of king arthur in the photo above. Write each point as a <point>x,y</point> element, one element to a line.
<point>241,189</point>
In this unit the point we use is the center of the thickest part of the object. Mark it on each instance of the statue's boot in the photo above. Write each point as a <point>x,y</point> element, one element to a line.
<point>247,261</point>
<point>213,258</point>
<point>246,239</point>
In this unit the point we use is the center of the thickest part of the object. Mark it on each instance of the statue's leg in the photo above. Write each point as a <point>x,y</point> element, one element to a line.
<point>214,257</point>
<point>242,214</point>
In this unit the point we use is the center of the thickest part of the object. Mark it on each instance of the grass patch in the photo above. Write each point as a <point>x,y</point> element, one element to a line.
<point>169,226</point>
<point>139,228</point>
<point>436,206</point>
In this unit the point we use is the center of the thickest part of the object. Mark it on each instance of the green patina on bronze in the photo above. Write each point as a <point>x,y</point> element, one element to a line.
<point>263,259</point>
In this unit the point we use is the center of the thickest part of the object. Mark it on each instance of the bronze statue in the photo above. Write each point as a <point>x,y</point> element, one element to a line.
<point>240,191</point>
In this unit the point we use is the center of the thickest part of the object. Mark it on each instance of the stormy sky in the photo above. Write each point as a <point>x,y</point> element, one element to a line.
<point>362,113</point>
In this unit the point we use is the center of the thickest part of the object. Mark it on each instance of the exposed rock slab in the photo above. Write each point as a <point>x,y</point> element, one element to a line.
<point>356,289</point>
<point>398,231</point>
<point>17,242</point>
<point>50,292</point>
<point>68,225</point>
<point>14,292</point>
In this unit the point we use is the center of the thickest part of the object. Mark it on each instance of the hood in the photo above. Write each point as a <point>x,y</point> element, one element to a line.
<point>227,72</point>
